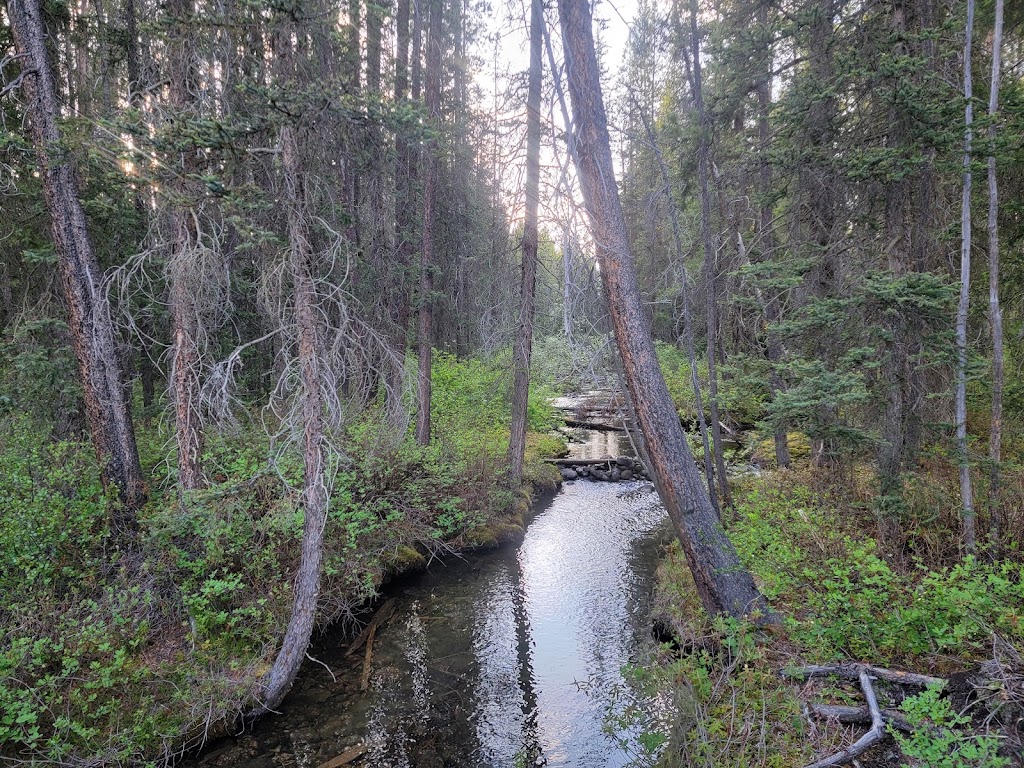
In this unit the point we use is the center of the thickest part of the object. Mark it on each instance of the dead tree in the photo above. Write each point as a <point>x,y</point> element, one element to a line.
<point>724,585</point>
<point>995,312</point>
<point>966,494</point>
<point>92,333</point>
<point>185,264</point>
<point>524,328</point>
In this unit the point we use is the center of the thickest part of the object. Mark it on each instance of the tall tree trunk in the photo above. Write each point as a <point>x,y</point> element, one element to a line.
<point>426,308</point>
<point>766,235</point>
<point>966,494</point>
<point>524,329</point>
<point>184,271</point>
<point>710,258</point>
<point>995,312</point>
<point>397,290</point>
<point>92,333</point>
<point>724,585</point>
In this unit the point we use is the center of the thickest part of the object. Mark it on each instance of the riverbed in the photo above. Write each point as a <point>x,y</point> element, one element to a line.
<point>506,659</point>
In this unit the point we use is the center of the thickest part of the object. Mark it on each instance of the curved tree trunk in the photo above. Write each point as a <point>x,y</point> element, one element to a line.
<point>724,585</point>
<point>306,587</point>
<point>92,333</point>
<point>524,330</point>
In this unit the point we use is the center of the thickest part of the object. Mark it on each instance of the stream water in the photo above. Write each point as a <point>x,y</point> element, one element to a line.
<point>511,658</point>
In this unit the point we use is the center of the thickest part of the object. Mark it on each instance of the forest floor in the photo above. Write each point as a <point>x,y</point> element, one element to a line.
<point>809,540</point>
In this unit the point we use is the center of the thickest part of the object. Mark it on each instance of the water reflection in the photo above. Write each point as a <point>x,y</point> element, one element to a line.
<point>512,658</point>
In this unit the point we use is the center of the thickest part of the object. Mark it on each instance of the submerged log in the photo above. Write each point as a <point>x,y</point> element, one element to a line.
<point>597,426</point>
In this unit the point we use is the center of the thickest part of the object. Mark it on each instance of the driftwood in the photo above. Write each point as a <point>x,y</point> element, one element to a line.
<point>857,715</point>
<point>382,615</point>
<point>866,741</point>
<point>854,671</point>
<point>345,757</point>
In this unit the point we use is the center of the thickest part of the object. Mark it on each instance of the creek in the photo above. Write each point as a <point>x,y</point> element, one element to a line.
<point>509,658</point>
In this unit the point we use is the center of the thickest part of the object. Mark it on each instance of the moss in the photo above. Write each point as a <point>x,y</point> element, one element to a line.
<point>405,559</point>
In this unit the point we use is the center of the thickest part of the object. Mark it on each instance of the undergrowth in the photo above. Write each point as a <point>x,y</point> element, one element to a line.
<point>841,601</point>
<point>113,654</point>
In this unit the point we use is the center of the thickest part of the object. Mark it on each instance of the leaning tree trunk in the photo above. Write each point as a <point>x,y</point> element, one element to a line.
<point>724,585</point>
<point>306,588</point>
<point>524,331</point>
<point>966,494</point>
<point>687,311</point>
<point>426,308</point>
<point>994,310</point>
<point>92,333</point>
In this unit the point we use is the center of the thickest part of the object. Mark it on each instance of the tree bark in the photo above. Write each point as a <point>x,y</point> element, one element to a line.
<point>724,585</point>
<point>92,334</point>
<point>710,259</point>
<point>426,308</point>
<point>184,273</point>
<point>524,329</point>
<point>397,290</point>
<point>966,494</point>
<point>995,312</point>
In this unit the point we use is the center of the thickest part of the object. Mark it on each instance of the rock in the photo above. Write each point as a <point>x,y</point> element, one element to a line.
<point>624,461</point>
<point>599,474</point>
<point>616,475</point>
<point>569,474</point>
<point>627,475</point>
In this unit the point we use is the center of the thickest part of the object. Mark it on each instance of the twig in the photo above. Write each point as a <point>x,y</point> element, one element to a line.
<point>868,739</point>
<point>854,671</point>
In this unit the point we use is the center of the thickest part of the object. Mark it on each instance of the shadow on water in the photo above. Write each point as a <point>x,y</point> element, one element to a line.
<point>511,658</point>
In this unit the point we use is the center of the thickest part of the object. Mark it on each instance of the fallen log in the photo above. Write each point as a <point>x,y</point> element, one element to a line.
<point>364,682</point>
<point>853,672</point>
<point>857,715</point>
<point>582,462</point>
<point>866,741</point>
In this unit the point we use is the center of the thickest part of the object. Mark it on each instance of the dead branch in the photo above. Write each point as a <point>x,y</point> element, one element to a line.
<point>382,615</point>
<point>868,739</point>
<point>854,671</point>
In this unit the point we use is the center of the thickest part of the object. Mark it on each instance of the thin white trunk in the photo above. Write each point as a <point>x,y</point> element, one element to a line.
<point>967,495</point>
<point>994,310</point>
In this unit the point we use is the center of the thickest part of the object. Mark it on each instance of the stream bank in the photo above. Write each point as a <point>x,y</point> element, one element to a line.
<point>511,657</point>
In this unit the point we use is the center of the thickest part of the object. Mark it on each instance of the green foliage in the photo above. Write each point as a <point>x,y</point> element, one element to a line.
<point>936,742</point>
<point>843,600</point>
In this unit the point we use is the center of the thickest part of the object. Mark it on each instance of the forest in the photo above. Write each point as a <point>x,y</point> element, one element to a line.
<point>291,290</point>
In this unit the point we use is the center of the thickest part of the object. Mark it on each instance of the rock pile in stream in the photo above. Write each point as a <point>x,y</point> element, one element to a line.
<point>608,470</point>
